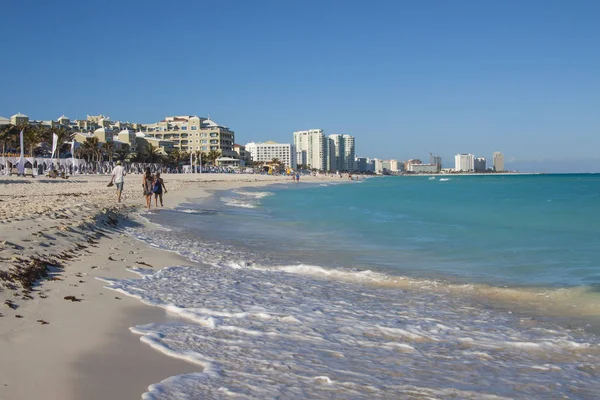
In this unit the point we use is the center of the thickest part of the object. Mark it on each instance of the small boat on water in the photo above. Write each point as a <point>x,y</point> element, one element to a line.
<point>432,178</point>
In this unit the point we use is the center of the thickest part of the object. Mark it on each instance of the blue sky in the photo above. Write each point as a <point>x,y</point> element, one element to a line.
<point>405,78</point>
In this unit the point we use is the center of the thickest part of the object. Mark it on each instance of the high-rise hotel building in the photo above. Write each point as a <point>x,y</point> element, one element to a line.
<point>341,153</point>
<point>192,133</point>
<point>311,148</point>
<point>464,162</point>
<point>498,161</point>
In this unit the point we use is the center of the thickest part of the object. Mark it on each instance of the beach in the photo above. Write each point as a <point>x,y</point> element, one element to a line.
<point>253,286</point>
<point>65,336</point>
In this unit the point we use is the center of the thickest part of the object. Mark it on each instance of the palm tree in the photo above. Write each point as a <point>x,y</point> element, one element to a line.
<point>91,148</point>
<point>32,136</point>
<point>8,136</point>
<point>109,149</point>
<point>212,156</point>
<point>124,152</point>
<point>151,154</point>
<point>177,156</point>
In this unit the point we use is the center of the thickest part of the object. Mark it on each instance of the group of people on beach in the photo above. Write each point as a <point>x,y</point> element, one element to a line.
<point>152,184</point>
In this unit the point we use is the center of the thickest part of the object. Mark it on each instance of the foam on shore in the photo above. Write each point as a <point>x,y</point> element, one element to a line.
<point>264,333</point>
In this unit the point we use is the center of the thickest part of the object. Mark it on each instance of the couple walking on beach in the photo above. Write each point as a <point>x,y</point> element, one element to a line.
<point>151,184</point>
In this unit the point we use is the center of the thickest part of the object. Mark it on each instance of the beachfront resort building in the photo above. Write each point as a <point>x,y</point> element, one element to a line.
<point>464,162</point>
<point>242,154</point>
<point>19,119</point>
<point>267,151</point>
<point>192,133</point>
<point>479,164</point>
<point>378,166</point>
<point>424,168</point>
<point>312,149</point>
<point>364,164</point>
<point>498,161</point>
<point>341,153</point>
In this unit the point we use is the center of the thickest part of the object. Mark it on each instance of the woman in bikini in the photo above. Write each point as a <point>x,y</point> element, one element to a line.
<point>147,182</point>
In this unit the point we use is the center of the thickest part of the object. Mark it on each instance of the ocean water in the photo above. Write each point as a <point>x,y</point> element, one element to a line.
<point>396,287</point>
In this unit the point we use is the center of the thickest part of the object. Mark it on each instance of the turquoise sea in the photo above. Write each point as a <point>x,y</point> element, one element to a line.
<point>388,287</point>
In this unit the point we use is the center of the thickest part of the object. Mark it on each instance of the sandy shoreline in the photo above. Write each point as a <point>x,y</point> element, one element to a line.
<point>56,348</point>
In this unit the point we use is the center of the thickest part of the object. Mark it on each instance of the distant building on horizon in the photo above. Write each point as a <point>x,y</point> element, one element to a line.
<point>424,168</point>
<point>437,160</point>
<point>392,166</point>
<point>267,151</point>
<point>341,153</point>
<point>464,162</point>
<point>479,164</point>
<point>312,148</point>
<point>498,162</point>
<point>378,166</point>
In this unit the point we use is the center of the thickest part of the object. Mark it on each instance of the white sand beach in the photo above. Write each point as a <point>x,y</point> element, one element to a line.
<point>66,336</point>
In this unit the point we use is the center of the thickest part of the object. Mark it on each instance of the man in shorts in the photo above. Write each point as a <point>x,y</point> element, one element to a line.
<point>118,177</point>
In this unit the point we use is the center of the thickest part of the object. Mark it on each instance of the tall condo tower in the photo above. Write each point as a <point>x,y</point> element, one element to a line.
<point>464,162</point>
<point>498,161</point>
<point>311,148</point>
<point>342,153</point>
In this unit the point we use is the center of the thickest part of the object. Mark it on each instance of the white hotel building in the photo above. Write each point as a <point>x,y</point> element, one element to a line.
<point>464,162</point>
<point>312,148</point>
<point>267,151</point>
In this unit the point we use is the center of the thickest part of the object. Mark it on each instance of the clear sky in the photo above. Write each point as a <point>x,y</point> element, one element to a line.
<point>405,78</point>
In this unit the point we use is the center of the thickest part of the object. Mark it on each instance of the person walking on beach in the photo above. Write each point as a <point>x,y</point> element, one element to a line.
<point>118,178</point>
<point>147,183</point>
<point>157,189</point>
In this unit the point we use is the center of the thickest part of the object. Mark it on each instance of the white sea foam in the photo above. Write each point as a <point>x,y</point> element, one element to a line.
<point>239,202</point>
<point>265,331</point>
<point>254,194</point>
<point>293,332</point>
<point>187,211</point>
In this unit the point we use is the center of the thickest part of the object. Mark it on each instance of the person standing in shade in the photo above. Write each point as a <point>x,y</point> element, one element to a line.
<point>118,178</point>
<point>157,189</point>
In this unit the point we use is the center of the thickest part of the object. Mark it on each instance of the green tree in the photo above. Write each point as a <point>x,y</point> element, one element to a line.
<point>91,149</point>
<point>212,156</point>
<point>108,148</point>
<point>9,137</point>
<point>33,135</point>
<point>177,156</point>
<point>124,153</point>
<point>150,154</point>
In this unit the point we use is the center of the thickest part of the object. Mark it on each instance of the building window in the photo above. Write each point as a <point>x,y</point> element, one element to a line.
<point>194,128</point>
